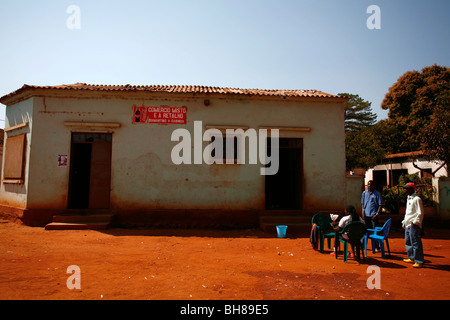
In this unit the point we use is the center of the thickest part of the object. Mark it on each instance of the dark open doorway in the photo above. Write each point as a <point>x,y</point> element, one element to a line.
<point>90,171</point>
<point>284,189</point>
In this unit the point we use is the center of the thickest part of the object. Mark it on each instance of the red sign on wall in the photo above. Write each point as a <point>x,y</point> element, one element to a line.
<point>160,114</point>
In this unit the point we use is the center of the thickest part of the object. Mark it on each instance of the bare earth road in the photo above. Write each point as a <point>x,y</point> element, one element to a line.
<point>207,265</point>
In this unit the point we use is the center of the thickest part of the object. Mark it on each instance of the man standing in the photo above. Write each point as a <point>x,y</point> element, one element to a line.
<point>412,223</point>
<point>371,202</point>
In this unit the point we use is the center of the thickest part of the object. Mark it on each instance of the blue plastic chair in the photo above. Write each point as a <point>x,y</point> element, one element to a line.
<point>380,238</point>
<point>322,222</point>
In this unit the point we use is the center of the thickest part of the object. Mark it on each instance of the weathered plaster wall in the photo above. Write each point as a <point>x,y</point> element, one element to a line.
<point>143,175</point>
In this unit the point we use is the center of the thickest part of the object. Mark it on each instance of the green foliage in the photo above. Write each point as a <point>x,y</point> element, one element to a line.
<point>405,178</point>
<point>395,196</point>
<point>366,148</point>
<point>412,101</point>
<point>418,119</point>
<point>435,137</point>
<point>424,187</point>
<point>361,147</point>
<point>358,113</point>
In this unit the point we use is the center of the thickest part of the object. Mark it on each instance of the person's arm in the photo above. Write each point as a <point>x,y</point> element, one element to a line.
<point>362,206</point>
<point>419,212</point>
<point>343,222</point>
<point>380,205</point>
<point>378,212</point>
<point>334,225</point>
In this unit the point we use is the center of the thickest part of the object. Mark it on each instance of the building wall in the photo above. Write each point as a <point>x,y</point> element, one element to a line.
<point>143,175</point>
<point>442,186</point>
<point>355,188</point>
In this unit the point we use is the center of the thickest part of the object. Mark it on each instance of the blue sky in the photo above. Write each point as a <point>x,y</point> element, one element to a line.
<point>310,44</point>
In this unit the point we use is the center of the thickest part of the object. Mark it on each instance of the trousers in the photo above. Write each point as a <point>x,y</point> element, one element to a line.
<point>413,243</point>
<point>372,224</point>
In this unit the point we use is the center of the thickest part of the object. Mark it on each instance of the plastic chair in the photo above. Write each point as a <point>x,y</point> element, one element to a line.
<point>355,232</point>
<point>376,237</point>
<point>322,222</point>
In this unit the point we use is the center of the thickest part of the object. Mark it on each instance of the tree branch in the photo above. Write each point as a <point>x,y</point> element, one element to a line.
<point>443,164</point>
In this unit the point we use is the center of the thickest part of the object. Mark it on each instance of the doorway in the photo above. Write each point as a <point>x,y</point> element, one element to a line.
<point>90,171</point>
<point>284,189</point>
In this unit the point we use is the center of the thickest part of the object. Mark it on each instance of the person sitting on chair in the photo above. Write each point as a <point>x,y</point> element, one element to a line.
<point>350,215</point>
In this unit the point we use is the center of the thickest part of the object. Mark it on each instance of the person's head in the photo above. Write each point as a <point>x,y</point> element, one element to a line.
<point>350,210</point>
<point>410,188</point>
<point>370,185</point>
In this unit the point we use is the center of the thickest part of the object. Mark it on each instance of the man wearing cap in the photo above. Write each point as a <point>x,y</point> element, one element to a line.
<point>412,223</point>
<point>371,203</point>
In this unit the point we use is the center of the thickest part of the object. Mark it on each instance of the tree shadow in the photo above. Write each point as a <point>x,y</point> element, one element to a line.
<point>389,262</point>
<point>441,267</point>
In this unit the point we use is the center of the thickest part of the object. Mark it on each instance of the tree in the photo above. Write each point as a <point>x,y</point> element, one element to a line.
<point>368,147</point>
<point>361,134</point>
<point>358,113</point>
<point>435,138</point>
<point>412,102</point>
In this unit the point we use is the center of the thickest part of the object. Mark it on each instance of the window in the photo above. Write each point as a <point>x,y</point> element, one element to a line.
<point>91,137</point>
<point>229,149</point>
<point>231,141</point>
<point>15,157</point>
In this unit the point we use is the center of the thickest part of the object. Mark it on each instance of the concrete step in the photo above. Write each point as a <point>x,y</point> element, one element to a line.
<point>77,226</point>
<point>298,223</point>
<point>285,219</point>
<point>80,222</point>
<point>290,213</point>
<point>293,229</point>
<point>83,218</point>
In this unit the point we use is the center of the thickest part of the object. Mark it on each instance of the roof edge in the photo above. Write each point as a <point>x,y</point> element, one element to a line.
<point>405,154</point>
<point>22,92</point>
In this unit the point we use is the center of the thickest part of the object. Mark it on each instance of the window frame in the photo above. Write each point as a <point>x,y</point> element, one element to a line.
<point>14,158</point>
<point>236,146</point>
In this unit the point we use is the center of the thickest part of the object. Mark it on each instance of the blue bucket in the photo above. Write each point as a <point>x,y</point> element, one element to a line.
<point>281,231</point>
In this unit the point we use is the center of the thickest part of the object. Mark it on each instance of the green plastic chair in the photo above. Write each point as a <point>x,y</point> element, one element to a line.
<point>356,232</point>
<point>323,222</point>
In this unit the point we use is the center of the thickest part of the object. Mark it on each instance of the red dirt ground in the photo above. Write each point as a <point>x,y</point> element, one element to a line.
<point>207,265</point>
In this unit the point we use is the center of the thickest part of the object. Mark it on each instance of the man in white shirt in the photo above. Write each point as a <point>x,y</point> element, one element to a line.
<point>412,223</point>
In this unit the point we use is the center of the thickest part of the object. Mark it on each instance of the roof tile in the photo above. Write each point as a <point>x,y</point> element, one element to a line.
<point>177,89</point>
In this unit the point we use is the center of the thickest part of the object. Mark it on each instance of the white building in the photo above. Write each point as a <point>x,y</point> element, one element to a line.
<point>108,148</point>
<point>394,165</point>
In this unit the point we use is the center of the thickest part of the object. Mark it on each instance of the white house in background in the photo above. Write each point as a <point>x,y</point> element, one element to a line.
<point>394,165</point>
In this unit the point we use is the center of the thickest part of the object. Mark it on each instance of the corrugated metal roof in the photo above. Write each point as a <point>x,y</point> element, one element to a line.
<point>175,89</point>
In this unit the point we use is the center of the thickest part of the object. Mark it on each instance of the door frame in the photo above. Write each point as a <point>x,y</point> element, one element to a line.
<point>92,139</point>
<point>291,147</point>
